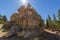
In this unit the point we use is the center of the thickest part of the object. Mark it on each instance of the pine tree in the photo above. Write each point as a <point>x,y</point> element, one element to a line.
<point>59,15</point>
<point>0,17</point>
<point>58,18</point>
<point>54,21</point>
<point>49,18</point>
<point>54,18</point>
<point>47,24</point>
<point>41,23</point>
<point>4,18</point>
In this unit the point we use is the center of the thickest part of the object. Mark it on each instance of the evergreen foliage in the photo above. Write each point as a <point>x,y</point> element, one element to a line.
<point>55,23</point>
<point>59,15</point>
<point>2,19</point>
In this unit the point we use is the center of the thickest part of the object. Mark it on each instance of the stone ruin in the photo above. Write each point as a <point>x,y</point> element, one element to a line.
<point>24,23</point>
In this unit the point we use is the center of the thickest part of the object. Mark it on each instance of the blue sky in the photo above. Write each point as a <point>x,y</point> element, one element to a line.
<point>43,7</point>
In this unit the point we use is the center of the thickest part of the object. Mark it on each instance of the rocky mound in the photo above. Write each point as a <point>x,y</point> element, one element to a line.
<point>26,21</point>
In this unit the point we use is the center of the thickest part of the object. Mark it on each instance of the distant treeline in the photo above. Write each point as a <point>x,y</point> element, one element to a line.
<point>55,23</point>
<point>3,19</point>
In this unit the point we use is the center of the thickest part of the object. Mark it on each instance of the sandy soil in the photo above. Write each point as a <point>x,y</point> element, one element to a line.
<point>2,33</point>
<point>1,25</point>
<point>53,32</point>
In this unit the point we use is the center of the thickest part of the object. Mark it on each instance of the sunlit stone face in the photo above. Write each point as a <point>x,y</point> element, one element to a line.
<point>24,2</point>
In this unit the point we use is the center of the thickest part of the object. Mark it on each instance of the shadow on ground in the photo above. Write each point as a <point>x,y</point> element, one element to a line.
<point>43,36</point>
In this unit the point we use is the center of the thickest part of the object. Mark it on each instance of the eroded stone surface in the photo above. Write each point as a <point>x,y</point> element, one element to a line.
<point>27,20</point>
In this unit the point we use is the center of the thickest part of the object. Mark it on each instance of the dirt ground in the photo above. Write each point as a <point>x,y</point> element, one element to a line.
<point>2,33</point>
<point>46,35</point>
